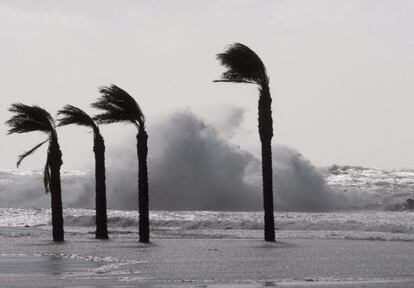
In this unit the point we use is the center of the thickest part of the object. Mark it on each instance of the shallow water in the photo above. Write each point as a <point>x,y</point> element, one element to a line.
<point>209,249</point>
<point>15,265</point>
<point>202,262</point>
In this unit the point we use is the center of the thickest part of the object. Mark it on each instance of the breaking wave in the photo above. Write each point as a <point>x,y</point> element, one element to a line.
<point>371,188</point>
<point>393,222</point>
<point>192,167</point>
<point>395,226</point>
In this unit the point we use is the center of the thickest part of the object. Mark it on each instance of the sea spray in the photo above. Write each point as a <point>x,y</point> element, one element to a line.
<point>193,167</point>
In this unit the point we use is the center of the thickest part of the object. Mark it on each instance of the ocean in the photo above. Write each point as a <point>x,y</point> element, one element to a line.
<point>358,225</point>
<point>365,203</point>
<point>362,236</point>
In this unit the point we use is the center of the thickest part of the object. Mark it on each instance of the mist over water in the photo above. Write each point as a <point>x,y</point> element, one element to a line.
<point>191,167</point>
<point>299,185</point>
<point>198,170</point>
<point>24,189</point>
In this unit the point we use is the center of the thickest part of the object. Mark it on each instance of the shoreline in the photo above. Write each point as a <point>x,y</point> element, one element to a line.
<point>204,262</point>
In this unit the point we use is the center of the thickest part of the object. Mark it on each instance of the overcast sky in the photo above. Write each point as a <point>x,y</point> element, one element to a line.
<point>342,72</point>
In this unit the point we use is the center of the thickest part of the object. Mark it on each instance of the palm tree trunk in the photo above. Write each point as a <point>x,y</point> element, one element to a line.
<point>55,162</point>
<point>100,188</point>
<point>143,198</point>
<point>266,134</point>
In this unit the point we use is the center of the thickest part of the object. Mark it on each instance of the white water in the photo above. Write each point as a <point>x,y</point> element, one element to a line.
<point>344,225</point>
<point>369,191</point>
<point>370,188</point>
<point>298,187</point>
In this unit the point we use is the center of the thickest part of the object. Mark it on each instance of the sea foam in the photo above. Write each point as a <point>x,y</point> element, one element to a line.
<point>392,222</point>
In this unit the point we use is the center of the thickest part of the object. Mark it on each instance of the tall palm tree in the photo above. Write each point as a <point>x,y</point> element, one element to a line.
<point>244,66</point>
<point>119,106</point>
<point>33,118</point>
<point>73,115</point>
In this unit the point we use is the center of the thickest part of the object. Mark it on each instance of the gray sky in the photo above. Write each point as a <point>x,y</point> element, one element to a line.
<point>342,72</point>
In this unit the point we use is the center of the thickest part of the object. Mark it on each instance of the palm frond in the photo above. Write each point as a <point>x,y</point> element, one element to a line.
<point>118,106</point>
<point>29,118</point>
<point>46,176</point>
<point>73,115</point>
<point>243,65</point>
<point>31,151</point>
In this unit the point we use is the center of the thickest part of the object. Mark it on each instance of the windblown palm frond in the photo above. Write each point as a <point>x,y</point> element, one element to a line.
<point>46,175</point>
<point>27,153</point>
<point>32,118</point>
<point>118,106</point>
<point>29,118</point>
<point>73,115</point>
<point>243,65</point>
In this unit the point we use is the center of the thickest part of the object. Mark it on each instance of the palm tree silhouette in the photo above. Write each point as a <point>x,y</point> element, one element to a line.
<point>119,106</point>
<point>33,118</point>
<point>73,115</point>
<point>244,66</point>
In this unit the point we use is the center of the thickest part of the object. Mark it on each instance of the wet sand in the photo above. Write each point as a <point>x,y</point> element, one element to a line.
<point>30,259</point>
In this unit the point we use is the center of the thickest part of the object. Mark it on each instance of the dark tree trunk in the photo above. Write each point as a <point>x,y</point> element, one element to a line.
<point>55,162</point>
<point>100,188</point>
<point>266,134</point>
<point>143,198</point>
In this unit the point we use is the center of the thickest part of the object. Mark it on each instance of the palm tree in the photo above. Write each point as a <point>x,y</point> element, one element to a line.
<point>244,66</point>
<point>119,106</point>
<point>33,118</point>
<point>73,115</point>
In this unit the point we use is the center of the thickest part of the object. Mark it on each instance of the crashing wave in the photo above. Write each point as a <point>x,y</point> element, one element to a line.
<point>391,222</point>
<point>371,188</point>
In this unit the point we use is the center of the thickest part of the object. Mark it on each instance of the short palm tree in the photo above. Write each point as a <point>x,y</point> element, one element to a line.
<point>244,66</point>
<point>33,118</point>
<point>119,106</point>
<point>73,115</point>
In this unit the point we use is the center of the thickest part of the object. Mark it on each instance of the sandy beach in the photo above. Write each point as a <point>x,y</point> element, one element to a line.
<point>29,258</point>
